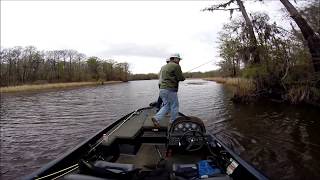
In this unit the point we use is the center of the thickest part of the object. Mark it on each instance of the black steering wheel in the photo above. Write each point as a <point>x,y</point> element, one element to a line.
<point>192,140</point>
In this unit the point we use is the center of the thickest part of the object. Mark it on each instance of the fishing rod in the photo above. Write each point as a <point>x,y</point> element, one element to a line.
<point>199,66</point>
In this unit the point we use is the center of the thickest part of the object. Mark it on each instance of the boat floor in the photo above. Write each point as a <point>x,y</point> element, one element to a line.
<point>147,157</point>
<point>131,128</point>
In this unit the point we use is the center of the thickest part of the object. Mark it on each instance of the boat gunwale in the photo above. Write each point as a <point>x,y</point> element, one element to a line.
<point>248,166</point>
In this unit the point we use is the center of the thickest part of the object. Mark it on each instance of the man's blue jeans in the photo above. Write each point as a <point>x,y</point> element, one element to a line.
<point>169,103</point>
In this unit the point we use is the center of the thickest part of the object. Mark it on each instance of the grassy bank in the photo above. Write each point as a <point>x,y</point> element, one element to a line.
<point>40,87</point>
<point>244,88</point>
<point>238,82</point>
<point>246,91</point>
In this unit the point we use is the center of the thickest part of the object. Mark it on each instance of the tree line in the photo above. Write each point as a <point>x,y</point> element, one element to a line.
<point>28,65</point>
<point>25,65</point>
<point>283,63</point>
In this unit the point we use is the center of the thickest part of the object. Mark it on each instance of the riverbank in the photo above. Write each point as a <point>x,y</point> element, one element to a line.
<point>243,86</point>
<point>230,81</point>
<point>41,87</point>
<point>245,89</point>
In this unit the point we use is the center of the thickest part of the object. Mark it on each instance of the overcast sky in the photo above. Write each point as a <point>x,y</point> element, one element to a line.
<point>142,33</point>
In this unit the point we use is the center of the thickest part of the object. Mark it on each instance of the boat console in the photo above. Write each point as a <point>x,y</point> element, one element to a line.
<point>187,133</point>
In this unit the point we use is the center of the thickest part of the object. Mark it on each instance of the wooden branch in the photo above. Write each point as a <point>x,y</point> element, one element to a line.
<point>227,9</point>
<point>214,7</point>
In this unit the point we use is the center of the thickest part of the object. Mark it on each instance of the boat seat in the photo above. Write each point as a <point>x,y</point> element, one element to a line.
<point>82,177</point>
<point>225,177</point>
<point>187,171</point>
<point>190,171</point>
<point>104,169</point>
<point>114,167</point>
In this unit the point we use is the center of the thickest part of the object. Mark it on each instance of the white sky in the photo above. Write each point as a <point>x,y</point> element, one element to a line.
<point>142,33</point>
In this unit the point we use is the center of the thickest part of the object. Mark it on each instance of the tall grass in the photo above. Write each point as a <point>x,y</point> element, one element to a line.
<point>39,87</point>
<point>303,93</point>
<point>244,88</point>
<point>242,83</point>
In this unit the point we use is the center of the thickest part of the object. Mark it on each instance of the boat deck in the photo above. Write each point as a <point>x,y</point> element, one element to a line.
<point>147,157</point>
<point>130,129</point>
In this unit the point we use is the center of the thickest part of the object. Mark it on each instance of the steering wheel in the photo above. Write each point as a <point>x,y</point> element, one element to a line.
<point>192,140</point>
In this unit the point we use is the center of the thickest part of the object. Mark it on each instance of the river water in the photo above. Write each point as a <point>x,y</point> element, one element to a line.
<point>282,141</point>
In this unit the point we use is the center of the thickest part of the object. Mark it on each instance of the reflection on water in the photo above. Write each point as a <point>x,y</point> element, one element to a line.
<point>283,141</point>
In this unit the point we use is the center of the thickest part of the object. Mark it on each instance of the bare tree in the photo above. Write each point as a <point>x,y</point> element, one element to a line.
<point>71,55</point>
<point>108,69</point>
<point>253,40</point>
<point>79,57</point>
<point>309,34</point>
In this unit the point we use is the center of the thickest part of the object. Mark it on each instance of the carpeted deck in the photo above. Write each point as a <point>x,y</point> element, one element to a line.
<point>131,128</point>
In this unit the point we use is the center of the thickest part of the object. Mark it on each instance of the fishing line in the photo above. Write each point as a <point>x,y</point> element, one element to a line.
<point>200,66</point>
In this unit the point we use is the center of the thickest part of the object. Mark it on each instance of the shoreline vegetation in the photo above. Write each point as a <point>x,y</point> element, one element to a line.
<point>28,65</point>
<point>51,86</point>
<point>244,88</point>
<point>282,64</point>
<point>246,91</point>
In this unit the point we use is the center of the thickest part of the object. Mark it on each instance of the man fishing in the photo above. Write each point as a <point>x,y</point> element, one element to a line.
<point>159,102</point>
<point>169,78</point>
